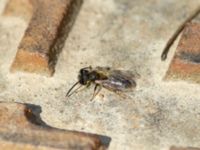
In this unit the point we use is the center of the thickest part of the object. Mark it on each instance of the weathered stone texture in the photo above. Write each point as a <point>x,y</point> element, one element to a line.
<point>22,128</point>
<point>45,35</point>
<point>186,62</point>
<point>22,8</point>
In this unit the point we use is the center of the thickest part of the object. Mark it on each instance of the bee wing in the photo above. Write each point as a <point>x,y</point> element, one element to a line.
<point>107,71</point>
<point>118,81</point>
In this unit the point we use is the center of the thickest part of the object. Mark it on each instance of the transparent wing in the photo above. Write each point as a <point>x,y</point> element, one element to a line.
<point>118,80</point>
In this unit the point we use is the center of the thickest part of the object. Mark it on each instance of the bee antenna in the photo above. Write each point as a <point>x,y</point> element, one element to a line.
<point>68,93</point>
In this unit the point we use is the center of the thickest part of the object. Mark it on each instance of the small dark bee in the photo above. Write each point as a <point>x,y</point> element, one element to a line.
<point>113,80</point>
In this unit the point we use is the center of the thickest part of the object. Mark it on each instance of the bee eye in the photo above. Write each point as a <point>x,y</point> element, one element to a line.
<point>83,76</point>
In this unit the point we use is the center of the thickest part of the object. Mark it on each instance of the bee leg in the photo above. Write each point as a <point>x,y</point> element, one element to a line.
<point>88,84</point>
<point>96,92</point>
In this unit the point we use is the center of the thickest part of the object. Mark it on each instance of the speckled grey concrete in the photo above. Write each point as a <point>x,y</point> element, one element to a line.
<point>123,34</point>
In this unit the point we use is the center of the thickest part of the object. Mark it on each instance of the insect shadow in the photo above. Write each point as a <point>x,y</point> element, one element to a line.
<point>32,112</point>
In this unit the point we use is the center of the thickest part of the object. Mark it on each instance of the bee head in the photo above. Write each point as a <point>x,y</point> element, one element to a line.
<point>83,76</point>
<point>87,75</point>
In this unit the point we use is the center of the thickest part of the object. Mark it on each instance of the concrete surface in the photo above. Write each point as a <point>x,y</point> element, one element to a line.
<point>123,34</point>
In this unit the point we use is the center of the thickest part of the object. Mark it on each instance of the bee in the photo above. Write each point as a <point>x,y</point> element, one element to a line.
<point>113,80</point>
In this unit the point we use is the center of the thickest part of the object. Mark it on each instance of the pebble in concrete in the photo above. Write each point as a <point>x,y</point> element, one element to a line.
<point>186,63</point>
<point>45,35</point>
<point>22,128</point>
